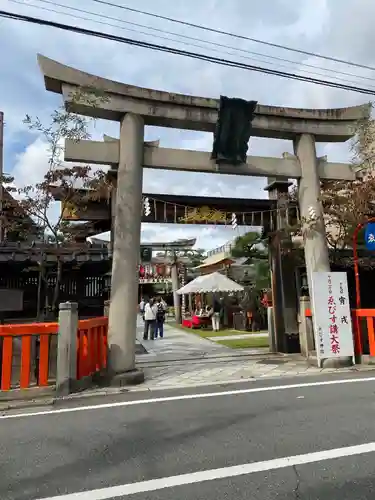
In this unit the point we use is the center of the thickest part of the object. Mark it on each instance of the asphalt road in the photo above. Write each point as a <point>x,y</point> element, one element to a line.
<point>300,440</point>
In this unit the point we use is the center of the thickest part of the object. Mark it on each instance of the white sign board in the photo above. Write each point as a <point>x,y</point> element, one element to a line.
<point>331,316</point>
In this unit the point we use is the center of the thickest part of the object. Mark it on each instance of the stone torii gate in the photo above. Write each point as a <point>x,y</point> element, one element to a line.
<point>134,107</point>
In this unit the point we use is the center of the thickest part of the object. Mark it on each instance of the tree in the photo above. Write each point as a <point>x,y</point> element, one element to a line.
<point>252,246</point>
<point>348,203</point>
<point>249,245</point>
<point>262,279</point>
<point>345,206</point>
<point>29,210</point>
<point>195,256</point>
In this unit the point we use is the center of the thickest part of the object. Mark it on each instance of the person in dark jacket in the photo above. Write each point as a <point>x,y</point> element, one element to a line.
<point>160,318</point>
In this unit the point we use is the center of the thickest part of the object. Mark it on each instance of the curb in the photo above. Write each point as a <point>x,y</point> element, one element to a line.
<point>41,402</point>
<point>24,404</point>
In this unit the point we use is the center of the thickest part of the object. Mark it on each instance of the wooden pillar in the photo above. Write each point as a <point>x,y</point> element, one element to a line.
<point>285,305</point>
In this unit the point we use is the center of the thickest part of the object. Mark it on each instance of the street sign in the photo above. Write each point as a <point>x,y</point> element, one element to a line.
<point>370,236</point>
<point>146,254</point>
<point>331,316</point>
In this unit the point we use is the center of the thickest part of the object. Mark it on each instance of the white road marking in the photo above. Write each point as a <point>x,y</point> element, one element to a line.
<point>182,397</point>
<point>214,474</point>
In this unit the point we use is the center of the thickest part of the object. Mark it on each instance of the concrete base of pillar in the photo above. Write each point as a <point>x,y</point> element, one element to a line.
<point>337,362</point>
<point>343,362</point>
<point>133,377</point>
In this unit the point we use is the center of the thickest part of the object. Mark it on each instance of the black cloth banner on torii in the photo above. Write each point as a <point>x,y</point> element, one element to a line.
<point>233,130</point>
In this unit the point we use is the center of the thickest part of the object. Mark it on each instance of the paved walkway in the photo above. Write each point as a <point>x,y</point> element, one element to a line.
<point>231,370</point>
<point>183,359</point>
<point>180,345</point>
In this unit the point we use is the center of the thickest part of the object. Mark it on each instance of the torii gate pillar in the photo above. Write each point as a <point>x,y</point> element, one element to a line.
<point>314,238</point>
<point>126,242</point>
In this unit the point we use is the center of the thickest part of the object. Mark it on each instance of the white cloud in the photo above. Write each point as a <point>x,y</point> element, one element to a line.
<point>342,29</point>
<point>29,169</point>
<point>31,165</point>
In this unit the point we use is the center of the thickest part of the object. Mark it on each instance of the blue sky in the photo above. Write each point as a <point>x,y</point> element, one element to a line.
<point>340,28</point>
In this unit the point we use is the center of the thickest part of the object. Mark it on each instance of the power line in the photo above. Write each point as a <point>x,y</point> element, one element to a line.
<point>234,35</point>
<point>216,44</point>
<point>170,39</point>
<point>185,53</point>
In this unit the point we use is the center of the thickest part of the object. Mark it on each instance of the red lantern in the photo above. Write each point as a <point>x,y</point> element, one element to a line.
<point>267,299</point>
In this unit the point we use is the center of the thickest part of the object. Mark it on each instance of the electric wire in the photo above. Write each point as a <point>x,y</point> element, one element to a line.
<point>208,42</point>
<point>234,35</point>
<point>180,52</point>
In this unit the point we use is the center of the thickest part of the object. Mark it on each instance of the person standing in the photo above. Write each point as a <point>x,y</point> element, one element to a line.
<point>160,318</point>
<point>215,318</point>
<point>223,320</point>
<point>150,319</point>
<point>142,306</point>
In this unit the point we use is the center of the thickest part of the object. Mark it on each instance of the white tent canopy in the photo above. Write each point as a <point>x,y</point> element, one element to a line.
<point>214,282</point>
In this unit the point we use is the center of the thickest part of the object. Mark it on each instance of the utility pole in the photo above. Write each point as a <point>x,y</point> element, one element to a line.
<point>1,175</point>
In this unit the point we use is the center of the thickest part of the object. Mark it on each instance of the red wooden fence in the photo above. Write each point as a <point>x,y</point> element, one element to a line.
<point>91,351</point>
<point>91,346</point>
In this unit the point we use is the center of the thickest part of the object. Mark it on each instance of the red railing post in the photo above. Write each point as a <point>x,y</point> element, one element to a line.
<point>92,346</point>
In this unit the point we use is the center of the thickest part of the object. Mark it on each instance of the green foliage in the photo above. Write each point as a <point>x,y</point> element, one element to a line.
<point>347,203</point>
<point>196,256</point>
<point>247,343</point>
<point>249,245</point>
<point>262,275</point>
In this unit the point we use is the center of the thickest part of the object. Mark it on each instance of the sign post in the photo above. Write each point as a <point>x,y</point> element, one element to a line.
<point>370,245</point>
<point>331,316</point>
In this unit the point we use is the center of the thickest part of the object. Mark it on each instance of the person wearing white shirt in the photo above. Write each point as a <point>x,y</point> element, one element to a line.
<point>151,309</point>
